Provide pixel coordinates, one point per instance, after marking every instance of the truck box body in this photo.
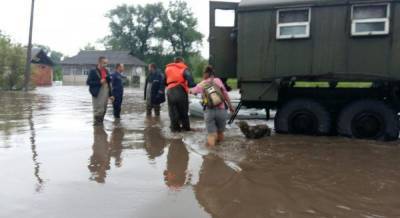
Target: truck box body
(330, 51)
(328, 67)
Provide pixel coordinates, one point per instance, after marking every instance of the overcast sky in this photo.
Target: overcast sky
(68, 25)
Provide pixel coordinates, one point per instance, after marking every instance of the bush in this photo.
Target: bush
(12, 64)
(197, 64)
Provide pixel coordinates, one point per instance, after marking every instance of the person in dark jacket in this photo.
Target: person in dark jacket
(99, 87)
(179, 80)
(154, 90)
(117, 88)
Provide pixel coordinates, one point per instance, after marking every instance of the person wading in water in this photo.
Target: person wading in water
(179, 80)
(215, 101)
(117, 85)
(154, 90)
(100, 89)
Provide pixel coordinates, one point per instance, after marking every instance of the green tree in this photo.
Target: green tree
(133, 28)
(88, 47)
(197, 64)
(154, 33)
(12, 64)
(179, 29)
(17, 59)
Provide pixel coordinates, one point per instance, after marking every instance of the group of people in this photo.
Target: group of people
(178, 82)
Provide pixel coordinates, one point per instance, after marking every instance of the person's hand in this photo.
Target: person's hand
(112, 98)
(103, 81)
(231, 109)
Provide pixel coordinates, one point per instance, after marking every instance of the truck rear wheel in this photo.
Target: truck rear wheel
(303, 116)
(369, 119)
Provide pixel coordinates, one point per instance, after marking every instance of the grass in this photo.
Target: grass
(342, 85)
(231, 82)
(303, 84)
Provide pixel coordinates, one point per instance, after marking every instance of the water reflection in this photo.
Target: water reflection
(35, 154)
(117, 136)
(154, 142)
(100, 159)
(14, 113)
(224, 192)
(176, 175)
(287, 176)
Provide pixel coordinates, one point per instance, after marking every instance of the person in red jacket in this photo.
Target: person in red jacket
(179, 80)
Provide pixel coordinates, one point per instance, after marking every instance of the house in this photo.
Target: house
(42, 68)
(76, 69)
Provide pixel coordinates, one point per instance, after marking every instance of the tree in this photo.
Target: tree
(133, 28)
(154, 33)
(197, 65)
(179, 29)
(88, 47)
(12, 64)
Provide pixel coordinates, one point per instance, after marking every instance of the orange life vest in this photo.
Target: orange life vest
(175, 76)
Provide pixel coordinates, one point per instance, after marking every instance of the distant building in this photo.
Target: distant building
(76, 69)
(42, 69)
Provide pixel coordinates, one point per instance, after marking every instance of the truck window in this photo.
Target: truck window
(293, 23)
(370, 20)
(224, 18)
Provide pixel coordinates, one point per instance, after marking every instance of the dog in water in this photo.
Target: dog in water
(254, 132)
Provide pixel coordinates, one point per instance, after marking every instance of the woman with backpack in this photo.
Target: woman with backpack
(215, 101)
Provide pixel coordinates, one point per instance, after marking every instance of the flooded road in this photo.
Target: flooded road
(54, 163)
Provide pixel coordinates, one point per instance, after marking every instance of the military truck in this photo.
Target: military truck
(327, 67)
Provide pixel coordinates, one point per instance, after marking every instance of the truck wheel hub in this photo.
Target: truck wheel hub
(367, 125)
(303, 122)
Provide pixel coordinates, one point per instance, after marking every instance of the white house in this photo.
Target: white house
(76, 69)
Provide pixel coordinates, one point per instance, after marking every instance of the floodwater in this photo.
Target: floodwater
(54, 163)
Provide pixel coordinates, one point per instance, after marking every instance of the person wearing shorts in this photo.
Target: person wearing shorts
(215, 118)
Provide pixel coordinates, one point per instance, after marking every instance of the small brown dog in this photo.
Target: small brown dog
(254, 132)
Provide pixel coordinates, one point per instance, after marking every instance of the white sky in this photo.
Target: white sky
(68, 25)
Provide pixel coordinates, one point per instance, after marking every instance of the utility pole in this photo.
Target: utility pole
(29, 52)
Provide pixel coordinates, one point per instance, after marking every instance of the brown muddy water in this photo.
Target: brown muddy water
(53, 163)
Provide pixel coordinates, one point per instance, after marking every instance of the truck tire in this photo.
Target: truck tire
(303, 116)
(369, 119)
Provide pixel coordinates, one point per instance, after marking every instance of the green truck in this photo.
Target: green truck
(328, 67)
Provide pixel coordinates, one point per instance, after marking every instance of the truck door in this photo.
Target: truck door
(223, 38)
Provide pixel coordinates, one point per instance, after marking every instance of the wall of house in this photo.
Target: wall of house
(42, 75)
(77, 74)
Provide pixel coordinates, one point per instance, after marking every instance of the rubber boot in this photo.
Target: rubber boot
(148, 110)
(157, 110)
(98, 121)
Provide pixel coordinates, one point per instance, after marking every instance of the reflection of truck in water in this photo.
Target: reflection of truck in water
(327, 66)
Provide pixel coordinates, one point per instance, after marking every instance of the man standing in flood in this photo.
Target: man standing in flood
(117, 86)
(179, 80)
(154, 90)
(99, 87)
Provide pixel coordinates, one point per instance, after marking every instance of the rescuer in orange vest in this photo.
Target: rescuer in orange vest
(179, 80)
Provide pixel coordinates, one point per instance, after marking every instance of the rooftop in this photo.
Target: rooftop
(39, 56)
(261, 4)
(114, 57)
